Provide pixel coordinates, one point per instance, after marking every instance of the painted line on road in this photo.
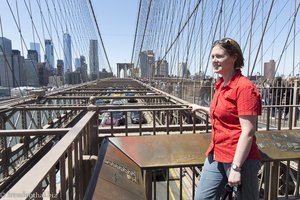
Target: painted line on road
(184, 196)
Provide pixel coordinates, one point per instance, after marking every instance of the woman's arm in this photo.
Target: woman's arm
(196, 107)
(248, 125)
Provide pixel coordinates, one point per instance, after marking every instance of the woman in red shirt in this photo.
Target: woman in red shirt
(233, 157)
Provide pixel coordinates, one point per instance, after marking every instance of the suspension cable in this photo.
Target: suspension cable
(99, 34)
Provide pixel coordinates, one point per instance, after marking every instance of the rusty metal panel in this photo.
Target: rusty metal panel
(164, 150)
(119, 177)
(279, 145)
(189, 149)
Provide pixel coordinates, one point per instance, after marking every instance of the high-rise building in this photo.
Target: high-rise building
(94, 59)
(33, 55)
(49, 56)
(43, 74)
(105, 74)
(30, 75)
(67, 53)
(77, 63)
(269, 70)
(182, 70)
(30, 69)
(5, 46)
(162, 68)
(18, 67)
(60, 67)
(73, 77)
(56, 81)
(146, 64)
(36, 46)
(6, 73)
(83, 69)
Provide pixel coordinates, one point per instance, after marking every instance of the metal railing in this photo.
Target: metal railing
(61, 173)
(70, 161)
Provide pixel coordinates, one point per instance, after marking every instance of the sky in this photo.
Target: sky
(117, 23)
(116, 20)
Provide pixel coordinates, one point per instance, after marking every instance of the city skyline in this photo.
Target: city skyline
(276, 42)
(17, 70)
(117, 33)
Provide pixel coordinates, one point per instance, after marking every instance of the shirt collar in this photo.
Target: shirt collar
(233, 82)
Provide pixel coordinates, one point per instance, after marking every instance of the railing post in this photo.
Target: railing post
(295, 97)
(148, 184)
(296, 193)
(37, 194)
(70, 174)
(3, 149)
(5, 160)
(93, 132)
(26, 139)
(52, 183)
(266, 176)
(273, 186)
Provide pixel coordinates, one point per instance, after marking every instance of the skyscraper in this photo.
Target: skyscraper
(5, 46)
(269, 70)
(147, 60)
(18, 68)
(60, 67)
(6, 74)
(30, 75)
(49, 56)
(83, 69)
(33, 55)
(67, 52)
(162, 68)
(77, 63)
(182, 70)
(36, 46)
(94, 59)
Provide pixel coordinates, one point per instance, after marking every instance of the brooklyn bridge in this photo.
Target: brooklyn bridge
(90, 129)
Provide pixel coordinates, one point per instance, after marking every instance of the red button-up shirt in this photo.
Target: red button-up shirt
(239, 97)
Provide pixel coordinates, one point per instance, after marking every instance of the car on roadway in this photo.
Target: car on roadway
(119, 116)
(107, 122)
(131, 98)
(137, 117)
(99, 102)
(117, 102)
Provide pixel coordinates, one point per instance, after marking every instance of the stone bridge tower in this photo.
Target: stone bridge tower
(125, 67)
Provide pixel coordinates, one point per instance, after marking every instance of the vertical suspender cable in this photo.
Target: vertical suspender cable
(294, 44)
(286, 41)
(145, 27)
(263, 34)
(214, 34)
(17, 7)
(250, 42)
(102, 43)
(136, 29)
(262, 45)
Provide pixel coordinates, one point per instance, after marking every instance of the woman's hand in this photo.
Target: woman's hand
(196, 107)
(234, 178)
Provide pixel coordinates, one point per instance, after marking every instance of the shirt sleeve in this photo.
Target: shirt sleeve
(249, 101)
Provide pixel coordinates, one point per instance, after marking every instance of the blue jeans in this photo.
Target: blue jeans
(214, 178)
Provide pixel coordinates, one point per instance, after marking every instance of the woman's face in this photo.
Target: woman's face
(222, 62)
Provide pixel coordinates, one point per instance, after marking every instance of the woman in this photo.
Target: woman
(232, 157)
